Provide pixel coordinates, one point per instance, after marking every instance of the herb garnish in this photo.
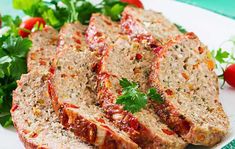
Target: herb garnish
(223, 58)
(13, 51)
(181, 28)
(133, 99)
(152, 93)
(58, 12)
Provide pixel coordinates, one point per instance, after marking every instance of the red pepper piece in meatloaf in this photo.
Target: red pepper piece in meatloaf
(71, 87)
(123, 58)
(183, 73)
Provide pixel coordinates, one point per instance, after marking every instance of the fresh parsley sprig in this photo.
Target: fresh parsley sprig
(13, 51)
(133, 99)
(224, 58)
(152, 94)
(181, 28)
(58, 12)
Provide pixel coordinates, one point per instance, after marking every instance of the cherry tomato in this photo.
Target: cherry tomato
(27, 26)
(137, 3)
(229, 75)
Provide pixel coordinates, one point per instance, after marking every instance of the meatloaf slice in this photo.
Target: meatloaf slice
(34, 118)
(73, 95)
(123, 58)
(43, 48)
(147, 25)
(100, 32)
(183, 73)
(32, 112)
(144, 127)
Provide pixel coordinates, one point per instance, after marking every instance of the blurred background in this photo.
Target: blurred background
(223, 7)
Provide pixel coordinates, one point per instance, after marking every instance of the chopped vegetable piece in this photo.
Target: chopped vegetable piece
(136, 3)
(30, 25)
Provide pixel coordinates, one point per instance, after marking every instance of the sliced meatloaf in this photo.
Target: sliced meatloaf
(183, 73)
(43, 48)
(34, 118)
(125, 59)
(144, 127)
(73, 95)
(100, 32)
(147, 25)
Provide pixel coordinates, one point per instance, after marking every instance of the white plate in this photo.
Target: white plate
(211, 28)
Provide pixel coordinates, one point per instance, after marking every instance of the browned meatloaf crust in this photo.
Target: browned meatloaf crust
(73, 95)
(183, 73)
(119, 60)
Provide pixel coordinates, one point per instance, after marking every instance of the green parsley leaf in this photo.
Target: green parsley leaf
(1, 73)
(152, 93)
(18, 46)
(5, 59)
(18, 4)
(126, 83)
(6, 120)
(13, 52)
(181, 29)
(70, 11)
(113, 8)
(85, 10)
(12, 23)
(132, 99)
(51, 19)
(220, 55)
(18, 67)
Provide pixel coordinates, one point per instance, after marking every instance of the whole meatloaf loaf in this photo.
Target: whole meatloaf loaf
(125, 59)
(43, 49)
(34, 118)
(73, 95)
(148, 26)
(183, 73)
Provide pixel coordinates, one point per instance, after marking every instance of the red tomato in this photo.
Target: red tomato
(137, 3)
(229, 75)
(29, 24)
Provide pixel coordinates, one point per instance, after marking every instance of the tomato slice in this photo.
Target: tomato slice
(27, 26)
(229, 75)
(136, 3)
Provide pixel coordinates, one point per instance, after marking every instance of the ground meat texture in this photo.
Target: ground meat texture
(72, 90)
(147, 26)
(43, 49)
(34, 118)
(124, 58)
(183, 73)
